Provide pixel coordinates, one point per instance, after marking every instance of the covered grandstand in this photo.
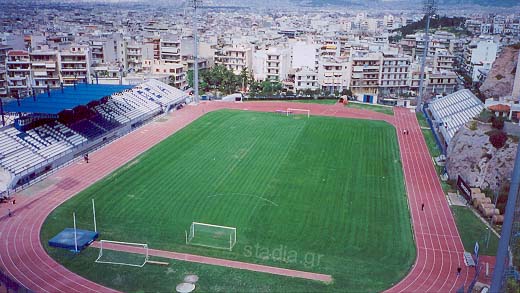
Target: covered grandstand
(57, 126)
(448, 114)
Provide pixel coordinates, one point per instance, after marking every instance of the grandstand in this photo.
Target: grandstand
(57, 126)
(450, 113)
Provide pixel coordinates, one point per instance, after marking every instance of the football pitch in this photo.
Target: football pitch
(323, 195)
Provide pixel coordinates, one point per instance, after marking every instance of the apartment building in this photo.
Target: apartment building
(305, 79)
(3, 82)
(278, 61)
(134, 57)
(170, 49)
(105, 50)
(45, 70)
(366, 67)
(18, 73)
(305, 55)
(333, 74)
(441, 83)
(235, 58)
(443, 60)
(75, 65)
(395, 73)
(176, 72)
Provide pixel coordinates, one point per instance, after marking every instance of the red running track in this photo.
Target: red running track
(439, 248)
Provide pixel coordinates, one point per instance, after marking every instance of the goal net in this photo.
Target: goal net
(292, 111)
(123, 253)
(213, 236)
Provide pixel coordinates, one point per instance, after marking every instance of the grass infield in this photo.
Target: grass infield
(324, 195)
(372, 107)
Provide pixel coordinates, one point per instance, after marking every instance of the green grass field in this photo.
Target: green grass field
(471, 229)
(314, 101)
(372, 107)
(323, 194)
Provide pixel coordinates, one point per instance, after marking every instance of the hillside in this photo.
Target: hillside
(499, 82)
(471, 155)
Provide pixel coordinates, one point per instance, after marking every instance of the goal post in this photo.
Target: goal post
(212, 236)
(123, 253)
(306, 112)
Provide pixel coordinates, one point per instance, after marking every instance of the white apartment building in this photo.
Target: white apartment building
(235, 58)
(3, 82)
(170, 49)
(395, 73)
(443, 60)
(271, 64)
(75, 65)
(305, 79)
(134, 57)
(482, 58)
(45, 70)
(18, 73)
(366, 69)
(305, 55)
(333, 74)
(175, 71)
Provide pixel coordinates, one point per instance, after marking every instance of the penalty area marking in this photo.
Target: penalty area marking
(245, 194)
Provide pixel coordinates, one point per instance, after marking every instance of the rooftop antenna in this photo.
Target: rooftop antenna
(429, 11)
(195, 4)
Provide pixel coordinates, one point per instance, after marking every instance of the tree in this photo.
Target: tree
(497, 122)
(244, 78)
(498, 139)
(347, 92)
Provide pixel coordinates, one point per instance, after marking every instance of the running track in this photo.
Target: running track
(439, 248)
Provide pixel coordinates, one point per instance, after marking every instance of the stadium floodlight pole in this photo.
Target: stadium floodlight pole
(429, 8)
(195, 4)
(75, 233)
(94, 214)
(507, 228)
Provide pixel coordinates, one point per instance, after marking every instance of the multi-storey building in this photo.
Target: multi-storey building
(18, 73)
(134, 57)
(175, 71)
(305, 79)
(365, 76)
(441, 83)
(333, 74)
(235, 58)
(170, 50)
(443, 60)
(278, 61)
(75, 65)
(3, 82)
(395, 73)
(45, 70)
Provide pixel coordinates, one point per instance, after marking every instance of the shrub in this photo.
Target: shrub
(498, 139)
(497, 122)
(499, 76)
(485, 116)
(473, 125)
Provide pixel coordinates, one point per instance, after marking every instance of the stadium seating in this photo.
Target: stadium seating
(108, 125)
(87, 129)
(23, 151)
(453, 111)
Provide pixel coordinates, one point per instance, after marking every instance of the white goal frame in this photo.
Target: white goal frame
(143, 245)
(191, 234)
(289, 110)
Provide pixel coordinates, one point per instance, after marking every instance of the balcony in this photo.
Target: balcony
(17, 77)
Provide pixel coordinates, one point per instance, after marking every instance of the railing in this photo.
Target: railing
(11, 284)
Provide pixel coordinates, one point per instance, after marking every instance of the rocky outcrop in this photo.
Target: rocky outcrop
(471, 155)
(499, 82)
